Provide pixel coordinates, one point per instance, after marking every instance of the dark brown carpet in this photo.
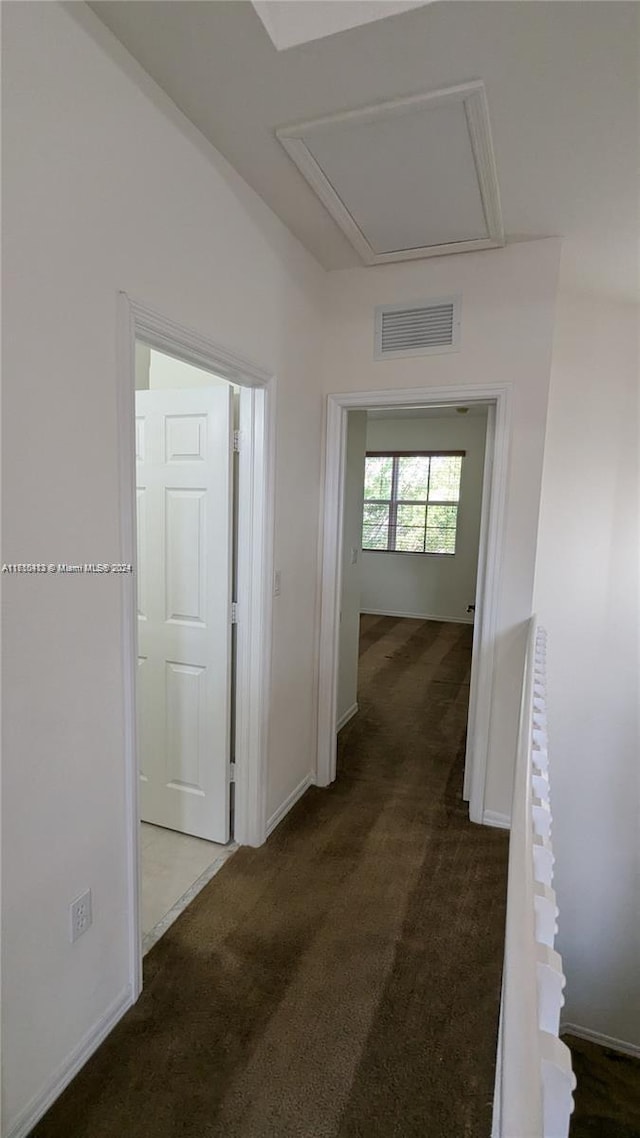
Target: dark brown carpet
(343, 981)
(607, 1096)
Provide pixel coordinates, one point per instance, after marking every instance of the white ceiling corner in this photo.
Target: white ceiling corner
(409, 178)
(293, 22)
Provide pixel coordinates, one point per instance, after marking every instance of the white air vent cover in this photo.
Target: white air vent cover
(417, 329)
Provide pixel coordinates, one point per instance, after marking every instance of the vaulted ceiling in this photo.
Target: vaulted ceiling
(561, 81)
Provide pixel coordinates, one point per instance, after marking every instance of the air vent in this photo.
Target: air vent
(417, 329)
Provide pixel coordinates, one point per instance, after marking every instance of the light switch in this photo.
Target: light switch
(276, 583)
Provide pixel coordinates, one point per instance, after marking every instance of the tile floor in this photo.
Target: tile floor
(174, 869)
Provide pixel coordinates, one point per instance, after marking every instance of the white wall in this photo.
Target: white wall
(107, 188)
(430, 586)
(508, 298)
(351, 570)
(587, 597)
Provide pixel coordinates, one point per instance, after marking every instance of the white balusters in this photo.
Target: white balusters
(541, 816)
(539, 760)
(558, 1083)
(551, 982)
(543, 860)
(534, 1080)
(540, 786)
(558, 1080)
(546, 912)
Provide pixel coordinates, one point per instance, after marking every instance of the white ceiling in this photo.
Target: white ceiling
(562, 87)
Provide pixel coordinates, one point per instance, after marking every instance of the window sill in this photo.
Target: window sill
(408, 553)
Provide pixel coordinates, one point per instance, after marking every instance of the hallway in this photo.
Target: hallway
(342, 981)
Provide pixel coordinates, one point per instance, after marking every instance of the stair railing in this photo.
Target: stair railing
(534, 1079)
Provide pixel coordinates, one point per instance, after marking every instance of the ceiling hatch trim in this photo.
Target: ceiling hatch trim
(298, 141)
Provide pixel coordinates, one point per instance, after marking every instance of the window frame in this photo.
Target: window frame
(393, 501)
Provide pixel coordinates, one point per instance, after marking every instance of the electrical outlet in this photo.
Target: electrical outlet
(81, 915)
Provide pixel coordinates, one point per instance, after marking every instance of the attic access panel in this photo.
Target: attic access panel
(411, 178)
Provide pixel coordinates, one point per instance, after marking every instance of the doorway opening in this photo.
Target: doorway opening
(411, 534)
(386, 526)
(187, 421)
(195, 424)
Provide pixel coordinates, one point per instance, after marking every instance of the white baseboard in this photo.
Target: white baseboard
(499, 821)
(344, 719)
(40, 1103)
(419, 616)
(289, 801)
(602, 1040)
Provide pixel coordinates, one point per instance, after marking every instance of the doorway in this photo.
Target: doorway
(186, 483)
(335, 558)
(411, 531)
(206, 737)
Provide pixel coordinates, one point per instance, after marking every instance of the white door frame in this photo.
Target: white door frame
(255, 573)
(489, 566)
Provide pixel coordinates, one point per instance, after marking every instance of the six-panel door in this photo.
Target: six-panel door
(184, 460)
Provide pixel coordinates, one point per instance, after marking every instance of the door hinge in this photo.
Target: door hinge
(236, 442)
(234, 612)
(232, 772)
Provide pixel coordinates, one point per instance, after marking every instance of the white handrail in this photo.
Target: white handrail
(534, 1080)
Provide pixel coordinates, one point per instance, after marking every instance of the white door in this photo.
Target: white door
(184, 457)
